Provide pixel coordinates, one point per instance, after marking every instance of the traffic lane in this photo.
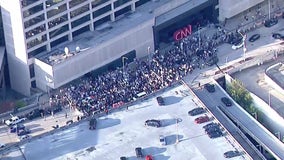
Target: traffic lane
(258, 131)
(253, 80)
(37, 126)
(211, 100)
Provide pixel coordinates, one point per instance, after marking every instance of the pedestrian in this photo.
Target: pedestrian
(78, 118)
(65, 115)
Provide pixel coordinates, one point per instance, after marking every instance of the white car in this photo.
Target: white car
(2, 145)
(24, 137)
(237, 46)
(14, 120)
(162, 140)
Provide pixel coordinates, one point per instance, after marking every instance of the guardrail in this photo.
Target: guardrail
(204, 106)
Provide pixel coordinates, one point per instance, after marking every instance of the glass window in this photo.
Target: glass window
(58, 31)
(56, 10)
(28, 2)
(50, 3)
(101, 11)
(57, 21)
(32, 70)
(141, 2)
(74, 3)
(59, 41)
(122, 11)
(33, 10)
(36, 41)
(102, 21)
(95, 3)
(80, 31)
(34, 21)
(36, 51)
(35, 31)
(79, 11)
(120, 2)
(80, 21)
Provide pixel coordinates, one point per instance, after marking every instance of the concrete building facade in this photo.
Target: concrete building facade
(52, 42)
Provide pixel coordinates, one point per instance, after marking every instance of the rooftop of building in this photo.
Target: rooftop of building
(101, 34)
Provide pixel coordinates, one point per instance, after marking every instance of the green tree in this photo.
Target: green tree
(239, 93)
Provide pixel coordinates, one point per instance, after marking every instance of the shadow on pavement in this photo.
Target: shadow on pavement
(153, 150)
(172, 139)
(172, 100)
(107, 122)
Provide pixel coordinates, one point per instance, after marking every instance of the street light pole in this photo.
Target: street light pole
(244, 36)
(123, 68)
(199, 37)
(149, 55)
(268, 9)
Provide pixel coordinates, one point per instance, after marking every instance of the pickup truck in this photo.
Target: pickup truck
(14, 120)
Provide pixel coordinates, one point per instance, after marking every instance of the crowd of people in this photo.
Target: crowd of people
(95, 94)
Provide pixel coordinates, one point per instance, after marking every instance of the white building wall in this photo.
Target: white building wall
(138, 38)
(230, 8)
(16, 48)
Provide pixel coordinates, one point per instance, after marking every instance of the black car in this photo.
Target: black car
(278, 36)
(153, 123)
(231, 154)
(212, 61)
(209, 125)
(17, 128)
(24, 132)
(213, 129)
(196, 111)
(35, 114)
(215, 134)
(123, 158)
(138, 152)
(226, 101)
(271, 22)
(254, 37)
(160, 100)
(210, 87)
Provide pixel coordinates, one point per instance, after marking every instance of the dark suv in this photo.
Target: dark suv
(138, 152)
(160, 100)
(153, 123)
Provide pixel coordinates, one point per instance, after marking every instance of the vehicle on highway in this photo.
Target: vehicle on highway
(160, 100)
(202, 119)
(24, 137)
(231, 154)
(271, 22)
(210, 87)
(14, 120)
(254, 37)
(212, 61)
(149, 157)
(24, 132)
(162, 139)
(238, 45)
(138, 152)
(196, 111)
(278, 36)
(17, 128)
(226, 101)
(153, 123)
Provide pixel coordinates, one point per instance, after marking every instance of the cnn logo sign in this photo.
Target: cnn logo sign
(182, 33)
